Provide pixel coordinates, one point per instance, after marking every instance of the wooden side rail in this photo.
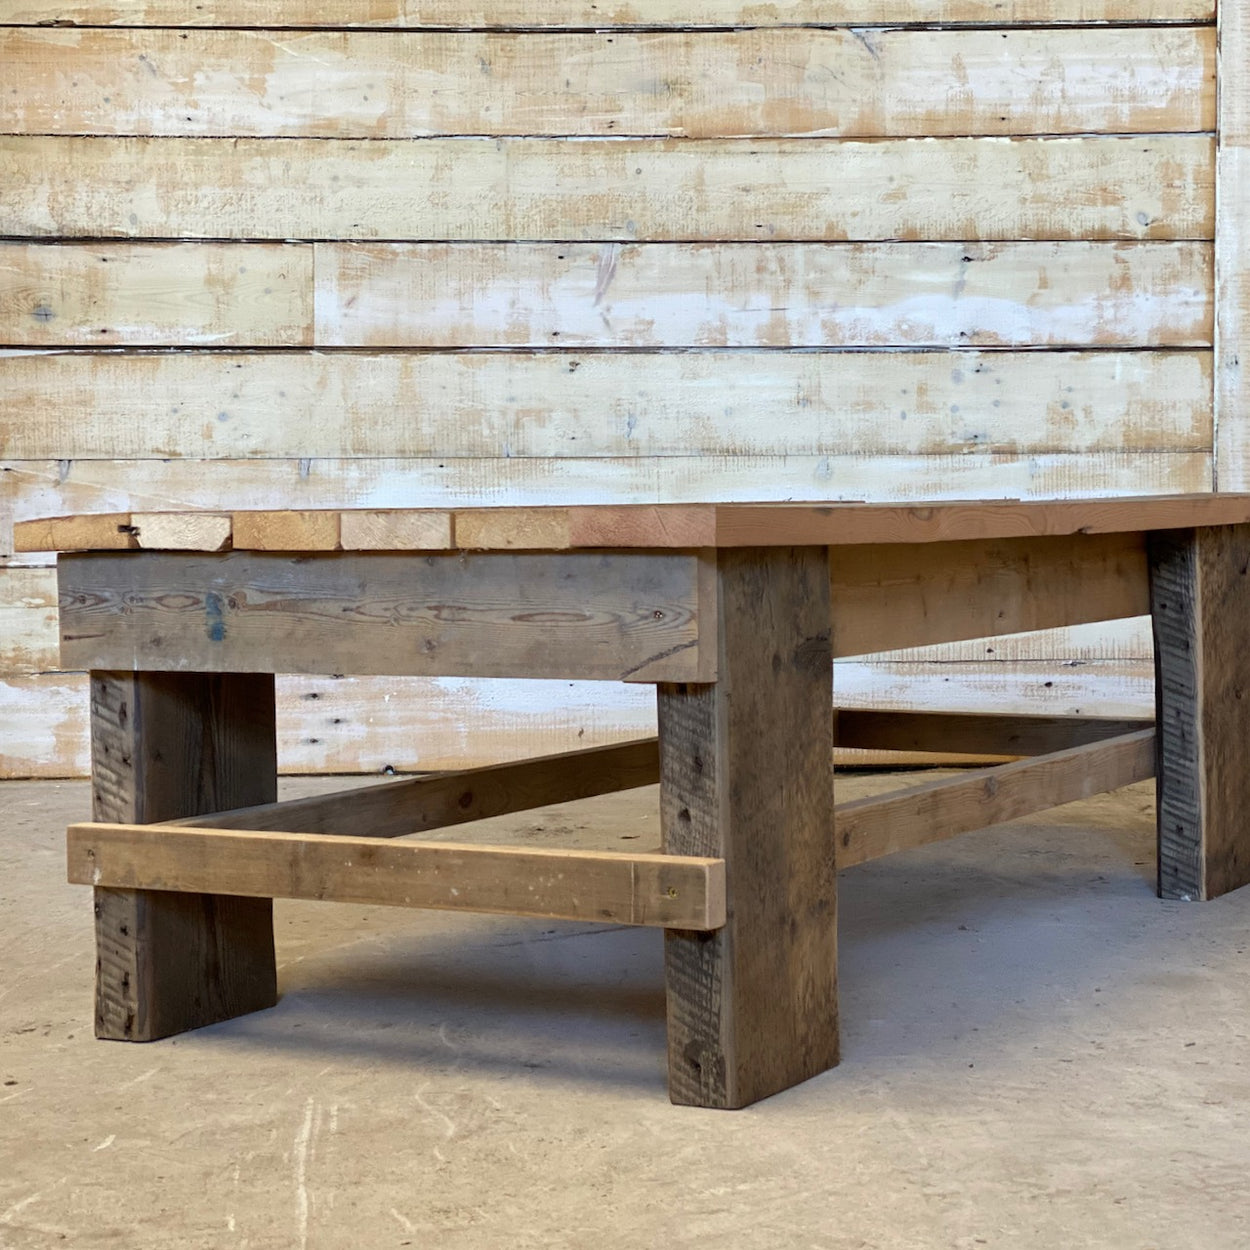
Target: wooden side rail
(936, 810)
(668, 891)
(974, 733)
(420, 804)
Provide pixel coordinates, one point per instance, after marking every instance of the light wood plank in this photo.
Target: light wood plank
(599, 886)
(511, 405)
(412, 530)
(756, 82)
(905, 595)
(603, 190)
(1201, 602)
(28, 620)
(181, 531)
(176, 294)
(957, 520)
(637, 616)
(935, 810)
(31, 489)
(591, 13)
(746, 774)
(107, 531)
(367, 724)
(1232, 261)
(163, 745)
(285, 531)
(1072, 294)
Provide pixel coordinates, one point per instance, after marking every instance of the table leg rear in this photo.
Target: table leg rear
(166, 745)
(1200, 603)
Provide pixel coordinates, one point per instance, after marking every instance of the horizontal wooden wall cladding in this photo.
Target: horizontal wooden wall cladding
(184, 294)
(592, 14)
(779, 81)
(1073, 294)
(764, 294)
(1157, 187)
(505, 405)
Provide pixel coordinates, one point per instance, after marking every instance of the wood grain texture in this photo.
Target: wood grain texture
(1232, 286)
(746, 776)
(976, 733)
(763, 294)
(621, 617)
(162, 746)
(30, 489)
(935, 810)
(513, 405)
(28, 620)
(876, 547)
(1148, 187)
(1068, 294)
(1201, 602)
(177, 294)
(421, 804)
(590, 13)
(710, 84)
(905, 595)
(599, 886)
(367, 724)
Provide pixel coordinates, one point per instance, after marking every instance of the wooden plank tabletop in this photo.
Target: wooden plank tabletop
(624, 526)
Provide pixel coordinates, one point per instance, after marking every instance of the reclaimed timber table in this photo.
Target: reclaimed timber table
(734, 612)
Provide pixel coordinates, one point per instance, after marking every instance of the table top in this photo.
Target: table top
(656, 526)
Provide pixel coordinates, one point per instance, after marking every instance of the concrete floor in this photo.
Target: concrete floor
(1037, 1053)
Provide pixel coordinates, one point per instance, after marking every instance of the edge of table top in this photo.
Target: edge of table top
(655, 526)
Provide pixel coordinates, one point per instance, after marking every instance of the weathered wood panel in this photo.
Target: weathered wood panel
(1201, 601)
(183, 294)
(900, 595)
(367, 724)
(165, 745)
(932, 811)
(589, 13)
(702, 85)
(611, 295)
(224, 405)
(599, 886)
(747, 775)
(28, 629)
(1232, 262)
(42, 488)
(766, 294)
(1158, 187)
(631, 616)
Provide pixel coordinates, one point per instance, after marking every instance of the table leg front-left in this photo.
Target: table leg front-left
(164, 746)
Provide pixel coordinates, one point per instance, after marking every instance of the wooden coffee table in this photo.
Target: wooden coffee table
(734, 612)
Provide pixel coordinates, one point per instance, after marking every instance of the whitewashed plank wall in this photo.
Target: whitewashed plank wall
(387, 253)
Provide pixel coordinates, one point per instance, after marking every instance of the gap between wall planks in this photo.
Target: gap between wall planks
(749, 83)
(592, 14)
(629, 190)
(1232, 248)
(226, 405)
(613, 295)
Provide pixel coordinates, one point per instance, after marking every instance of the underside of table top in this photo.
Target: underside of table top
(655, 526)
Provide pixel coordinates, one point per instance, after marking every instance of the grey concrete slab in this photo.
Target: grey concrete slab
(1037, 1052)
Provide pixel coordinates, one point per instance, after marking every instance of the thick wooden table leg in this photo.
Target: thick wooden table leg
(165, 745)
(1200, 603)
(746, 774)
